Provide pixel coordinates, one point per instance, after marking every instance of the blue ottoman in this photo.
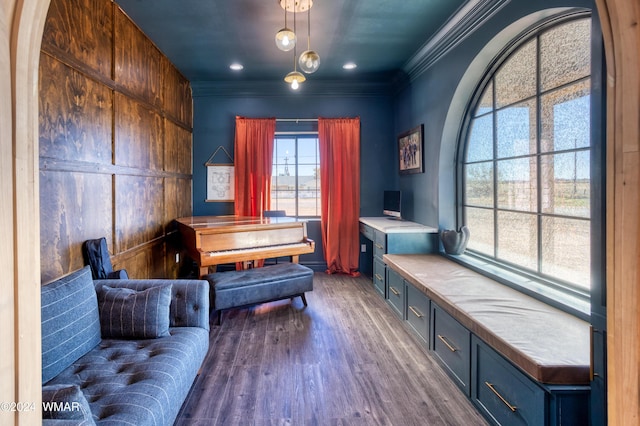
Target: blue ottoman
(233, 289)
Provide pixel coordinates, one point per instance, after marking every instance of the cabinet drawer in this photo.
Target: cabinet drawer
(451, 342)
(379, 243)
(379, 274)
(395, 291)
(367, 231)
(418, 311)
(502, 392)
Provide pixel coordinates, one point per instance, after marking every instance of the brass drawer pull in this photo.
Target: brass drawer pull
(447, 344)
(394, 291)
(415, 312)
(513, 408)
(379, 246)
(379, 277)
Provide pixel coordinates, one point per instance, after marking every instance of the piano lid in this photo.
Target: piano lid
(231, 220)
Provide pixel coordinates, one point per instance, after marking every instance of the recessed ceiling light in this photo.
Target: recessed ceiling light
(236, 66)
(349, 66)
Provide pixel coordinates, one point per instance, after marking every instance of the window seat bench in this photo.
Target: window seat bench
(521, 361)
(552, 346)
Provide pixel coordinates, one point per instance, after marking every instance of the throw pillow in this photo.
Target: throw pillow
(69, 321)
(127, 313)
(66, 402)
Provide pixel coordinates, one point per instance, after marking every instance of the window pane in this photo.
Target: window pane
(283, 179)
(565, 54)
(566, 118)
(480, 224)
(518, 239)
(479, 184)
(308, 151)
(486, 102)
(517, 184)
(566, 184)
(309, 203)
(284, 200)
(480, 139)
(308, 183)
(295, 181)
(285, 151)
(566, 250)
(516, 79)
(516, 129)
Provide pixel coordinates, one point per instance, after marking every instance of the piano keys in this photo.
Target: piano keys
(215, 240)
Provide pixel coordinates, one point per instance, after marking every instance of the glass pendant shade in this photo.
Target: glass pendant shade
(285, 39)
(294, 78)
(309, 61)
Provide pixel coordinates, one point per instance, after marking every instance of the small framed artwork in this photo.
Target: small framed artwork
(410, 151)
(220, 182)
(220, 179)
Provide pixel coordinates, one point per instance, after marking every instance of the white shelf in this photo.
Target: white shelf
(394, 226)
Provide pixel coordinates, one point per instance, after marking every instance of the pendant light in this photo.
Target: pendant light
(309, 59)
(294, 77)
(285, 38)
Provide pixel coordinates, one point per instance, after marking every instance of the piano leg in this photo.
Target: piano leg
(204, 270)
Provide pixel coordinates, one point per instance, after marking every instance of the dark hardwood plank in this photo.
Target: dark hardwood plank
(345, 359)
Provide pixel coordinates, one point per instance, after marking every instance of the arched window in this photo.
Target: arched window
(526, 178)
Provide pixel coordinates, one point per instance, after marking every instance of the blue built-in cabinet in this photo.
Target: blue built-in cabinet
(501, 390)
(389, 235)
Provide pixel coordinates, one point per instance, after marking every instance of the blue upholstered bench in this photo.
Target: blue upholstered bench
(234, 289)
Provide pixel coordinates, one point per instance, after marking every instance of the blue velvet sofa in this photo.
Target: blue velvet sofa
(121, 351)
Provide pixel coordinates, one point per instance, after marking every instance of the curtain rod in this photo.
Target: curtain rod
(295, 133)
(296, 119)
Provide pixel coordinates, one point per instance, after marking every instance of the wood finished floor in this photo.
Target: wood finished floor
(346, 359)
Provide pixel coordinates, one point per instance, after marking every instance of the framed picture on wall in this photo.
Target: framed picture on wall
(220, 182)
(410, 151)
(220, 179)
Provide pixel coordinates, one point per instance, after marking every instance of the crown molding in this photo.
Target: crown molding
(462, 24)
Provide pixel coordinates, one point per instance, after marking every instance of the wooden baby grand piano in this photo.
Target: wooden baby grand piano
(214, 240)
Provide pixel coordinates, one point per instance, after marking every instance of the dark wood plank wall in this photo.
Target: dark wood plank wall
(115, 142)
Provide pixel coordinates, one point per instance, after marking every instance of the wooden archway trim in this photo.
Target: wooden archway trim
(620, 21)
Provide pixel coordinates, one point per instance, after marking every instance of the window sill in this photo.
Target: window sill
(572, 304)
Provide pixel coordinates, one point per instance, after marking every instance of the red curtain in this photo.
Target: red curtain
(339, 143)
(253, 163)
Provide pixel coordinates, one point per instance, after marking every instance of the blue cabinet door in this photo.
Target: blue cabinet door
(418, 312)
(451, 342)
(396, 292)
(502, 393)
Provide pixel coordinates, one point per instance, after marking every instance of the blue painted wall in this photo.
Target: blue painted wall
(214, 126)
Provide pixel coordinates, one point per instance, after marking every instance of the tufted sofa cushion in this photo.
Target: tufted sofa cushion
(70, 321)
(141, 382)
